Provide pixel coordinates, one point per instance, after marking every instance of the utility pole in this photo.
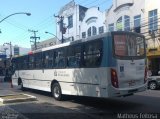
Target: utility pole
(62, 29)
(35, 38)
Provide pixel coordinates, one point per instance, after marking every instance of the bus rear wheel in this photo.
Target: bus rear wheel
(56, 91)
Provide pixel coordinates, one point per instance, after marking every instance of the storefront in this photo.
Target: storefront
(153, 60)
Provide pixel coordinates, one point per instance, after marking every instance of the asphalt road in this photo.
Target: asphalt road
(141, 105)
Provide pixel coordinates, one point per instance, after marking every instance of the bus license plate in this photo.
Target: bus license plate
(132, 83)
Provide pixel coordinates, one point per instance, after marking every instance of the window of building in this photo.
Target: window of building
(111, 27)
(89, 32)
(137, 23)
(73, 56)
(83, 34)
(119, 24)
(70, 21)
(153, 21)
(126, 23)
(94, 30)
(92, 54)
(101, 29)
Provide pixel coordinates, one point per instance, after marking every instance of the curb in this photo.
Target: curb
(27, 98)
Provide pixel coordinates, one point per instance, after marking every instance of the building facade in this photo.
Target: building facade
(16, 50)
(141, 16)
(92, 24)
(68, 22)
(45, 43)
(76, 22)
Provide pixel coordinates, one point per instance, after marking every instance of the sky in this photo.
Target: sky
(15, 28)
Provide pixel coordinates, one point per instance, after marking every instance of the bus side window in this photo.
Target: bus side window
(92, 54)
(15, 63)
(25, 62)
(45, 57)
(31, 61)
(59, 58)
(38, 60)
(21, 62)
(73, 56)
(48, 59)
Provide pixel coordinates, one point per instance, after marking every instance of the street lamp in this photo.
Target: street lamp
(52, 34)
(28, 14)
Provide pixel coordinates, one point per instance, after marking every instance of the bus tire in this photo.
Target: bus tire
(56, 91)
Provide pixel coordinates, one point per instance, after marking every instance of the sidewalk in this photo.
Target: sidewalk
(6, 89)
(12, 95)
(5, 111)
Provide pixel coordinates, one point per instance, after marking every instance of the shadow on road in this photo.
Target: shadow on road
(36, 92)
(133, 104)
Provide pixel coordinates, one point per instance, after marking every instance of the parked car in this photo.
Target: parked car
(153, 82)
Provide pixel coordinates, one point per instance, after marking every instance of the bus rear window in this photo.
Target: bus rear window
(128, 45)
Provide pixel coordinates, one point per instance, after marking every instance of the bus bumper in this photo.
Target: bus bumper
(118, 92)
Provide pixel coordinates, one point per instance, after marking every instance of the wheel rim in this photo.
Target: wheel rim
(152, 86)
(56, 92)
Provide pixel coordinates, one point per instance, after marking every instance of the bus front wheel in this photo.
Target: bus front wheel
(56, 91)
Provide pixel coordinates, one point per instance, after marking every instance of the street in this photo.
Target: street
(141, 105)
(98, 48)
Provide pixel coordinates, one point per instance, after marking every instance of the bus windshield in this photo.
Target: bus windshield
(128, 45)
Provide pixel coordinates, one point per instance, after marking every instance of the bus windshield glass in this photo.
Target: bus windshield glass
(128, 45)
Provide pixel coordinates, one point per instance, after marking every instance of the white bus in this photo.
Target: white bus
(106, 65)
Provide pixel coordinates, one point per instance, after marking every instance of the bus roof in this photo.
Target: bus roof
(78, 41)
(73, 42)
